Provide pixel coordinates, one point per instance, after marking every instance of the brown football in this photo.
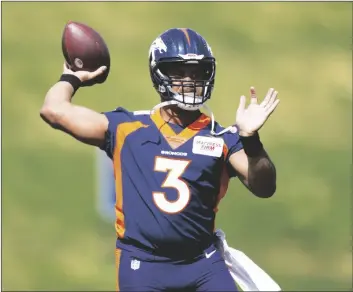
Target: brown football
(85, 50)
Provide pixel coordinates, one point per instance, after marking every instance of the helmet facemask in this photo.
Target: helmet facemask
(189, 83)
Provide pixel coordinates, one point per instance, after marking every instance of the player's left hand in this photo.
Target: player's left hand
(249, 120)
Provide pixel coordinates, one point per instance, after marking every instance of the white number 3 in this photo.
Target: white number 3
(176, 168)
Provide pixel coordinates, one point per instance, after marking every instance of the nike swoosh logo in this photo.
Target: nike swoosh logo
(208, 255)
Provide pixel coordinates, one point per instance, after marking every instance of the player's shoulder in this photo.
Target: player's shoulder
(126, 115)
(118, 111)
(142, 115)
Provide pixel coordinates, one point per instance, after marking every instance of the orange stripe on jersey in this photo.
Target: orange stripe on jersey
(176, 140)
(200, 123)
(195, 127)
(222, 190)
(224, 180)
(185, 31)
(223, 186)
(117, 267)
(224, 183)
(225, 151)
(122, 132)
(162, 125)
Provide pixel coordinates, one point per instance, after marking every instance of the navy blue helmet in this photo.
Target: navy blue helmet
(171, 51)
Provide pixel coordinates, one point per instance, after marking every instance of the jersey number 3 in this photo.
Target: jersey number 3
(175, 169)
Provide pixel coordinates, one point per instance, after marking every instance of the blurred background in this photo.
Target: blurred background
(53, 236)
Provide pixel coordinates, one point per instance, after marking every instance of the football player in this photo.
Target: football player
(172, 165)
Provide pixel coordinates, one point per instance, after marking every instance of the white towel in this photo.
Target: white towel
(247, 275)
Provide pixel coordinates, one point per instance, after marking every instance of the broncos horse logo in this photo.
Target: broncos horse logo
(159, 45)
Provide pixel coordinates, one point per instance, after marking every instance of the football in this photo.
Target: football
(85, 50)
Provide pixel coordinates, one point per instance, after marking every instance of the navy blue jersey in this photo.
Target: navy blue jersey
(169, 180)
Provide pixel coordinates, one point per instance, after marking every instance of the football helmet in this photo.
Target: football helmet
(173, 48)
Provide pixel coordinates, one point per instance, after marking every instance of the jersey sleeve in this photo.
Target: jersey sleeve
(115, 118)
(233, 144)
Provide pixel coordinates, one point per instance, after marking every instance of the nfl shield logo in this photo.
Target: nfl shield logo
(135, 264)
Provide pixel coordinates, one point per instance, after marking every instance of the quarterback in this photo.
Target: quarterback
(172, 165)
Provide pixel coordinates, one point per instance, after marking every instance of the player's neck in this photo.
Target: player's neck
(175, 115)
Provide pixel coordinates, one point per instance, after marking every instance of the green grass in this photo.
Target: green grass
(52, 237)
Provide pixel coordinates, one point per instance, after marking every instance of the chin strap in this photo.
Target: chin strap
(213, 133)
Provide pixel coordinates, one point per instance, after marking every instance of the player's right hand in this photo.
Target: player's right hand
(84, 76)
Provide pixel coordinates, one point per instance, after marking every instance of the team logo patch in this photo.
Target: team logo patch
(209, 146)
(135, 264)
